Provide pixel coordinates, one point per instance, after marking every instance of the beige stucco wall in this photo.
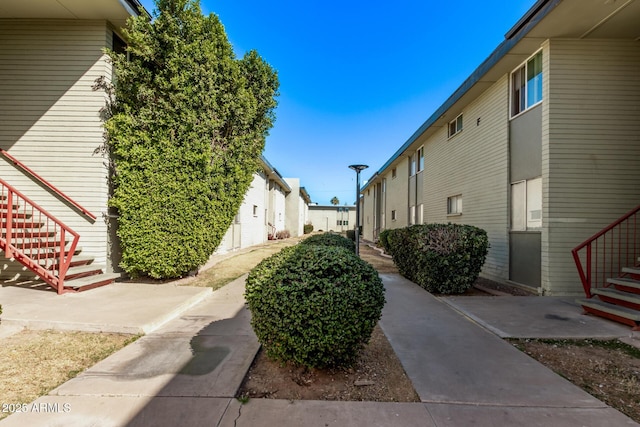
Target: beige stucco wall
(50, 120)
(326, 218)
(591, 148)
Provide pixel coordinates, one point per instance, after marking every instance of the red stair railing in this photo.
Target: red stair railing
(34, 237)
(604, 254)
(46, 183)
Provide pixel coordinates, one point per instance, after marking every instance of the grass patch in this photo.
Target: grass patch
(35, 362)
(231, 268)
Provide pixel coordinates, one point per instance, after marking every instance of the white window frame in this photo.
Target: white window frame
(523, 102)
(454, 205)
(421, 213)
(526, 205)
(455, 126)
(420, 159)
(412, 164)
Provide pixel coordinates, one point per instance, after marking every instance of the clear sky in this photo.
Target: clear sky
(358, 78)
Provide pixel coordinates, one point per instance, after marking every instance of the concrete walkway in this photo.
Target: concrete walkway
(187, 371)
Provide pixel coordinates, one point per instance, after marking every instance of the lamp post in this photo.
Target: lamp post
(358, 169)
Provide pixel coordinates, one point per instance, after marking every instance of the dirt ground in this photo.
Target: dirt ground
(609, 370)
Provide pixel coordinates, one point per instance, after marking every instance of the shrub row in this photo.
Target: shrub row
(314, 305)
(442, 258)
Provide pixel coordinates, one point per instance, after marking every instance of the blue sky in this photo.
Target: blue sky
(358, 78)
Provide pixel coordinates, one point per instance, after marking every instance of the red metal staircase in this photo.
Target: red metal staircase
(45, 245)
(609, 267)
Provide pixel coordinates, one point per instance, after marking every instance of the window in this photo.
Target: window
(455, 126)
(420, 155)
(526, 205)
(394, 173)
(345, 222)
(412, 215)
(526, 85)
(412, 165)
(255, 210)
(384, 185)
(339, 222)
(454, 205)
(420, 213)
(393, 215)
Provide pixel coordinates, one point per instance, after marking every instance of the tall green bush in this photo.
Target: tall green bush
(187, 124)
(314, 305)
(442, 258)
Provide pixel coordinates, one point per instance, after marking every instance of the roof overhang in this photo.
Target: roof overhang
(547, 19)
(273, 174)
(115, 11)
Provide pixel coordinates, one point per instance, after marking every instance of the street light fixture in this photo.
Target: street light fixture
(358, 169)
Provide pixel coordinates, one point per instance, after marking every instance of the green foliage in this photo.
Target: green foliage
(187, 124)
(442, 258)
(383, 240)
(330, 239)
(351, 235)
(335, 201)
(308, 228)
(314, 305)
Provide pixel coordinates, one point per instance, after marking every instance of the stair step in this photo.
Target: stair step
(28, 233)
(626, 284)
(90, 282)
(631, 270)
(51, 263)
(618, 313)
(41, 253)
(3, 214)
(27, 243)
(614, 296)
(24, 224)
(5, 206)
(83, 270)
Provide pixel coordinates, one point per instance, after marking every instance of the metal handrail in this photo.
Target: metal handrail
(598, 257)
(42, 257)
(46, 183)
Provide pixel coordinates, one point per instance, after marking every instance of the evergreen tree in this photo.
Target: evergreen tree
(187, 125)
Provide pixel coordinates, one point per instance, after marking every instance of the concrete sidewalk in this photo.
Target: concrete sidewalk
(123, 307)
(187, 372)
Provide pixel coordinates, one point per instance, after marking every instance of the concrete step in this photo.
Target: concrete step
(83, 271)
(631, 270)
(626, 284)
(90, 282)
(614, 312)
(20, 215)
(28, 233)
(28, 243)
(76, 261)
(614, 296)
(22, 223)
(42, 253)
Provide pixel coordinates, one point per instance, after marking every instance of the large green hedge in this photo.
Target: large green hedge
(442, 258)
(314, 305)
(187, 125)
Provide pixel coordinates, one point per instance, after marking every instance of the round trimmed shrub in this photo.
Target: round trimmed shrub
(315, 306)
(330, 239)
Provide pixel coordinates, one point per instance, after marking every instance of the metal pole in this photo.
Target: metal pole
(358, 168)
(358, 212)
